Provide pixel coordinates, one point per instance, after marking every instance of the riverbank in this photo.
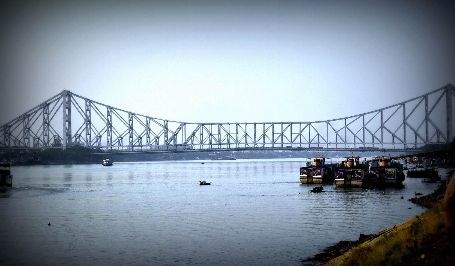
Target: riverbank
(83, 155)
(427, 239)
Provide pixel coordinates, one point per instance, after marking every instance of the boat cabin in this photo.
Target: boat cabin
(351, 162)
(384, 161)
(318, 162)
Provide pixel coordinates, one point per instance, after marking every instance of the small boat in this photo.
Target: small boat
(107, 162)
(203, 183)
(6, 179)
(317, 189)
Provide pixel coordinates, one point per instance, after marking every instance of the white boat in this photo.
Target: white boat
(107, 162)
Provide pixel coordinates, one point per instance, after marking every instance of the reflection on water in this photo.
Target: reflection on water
(255, 212)
(67, 180)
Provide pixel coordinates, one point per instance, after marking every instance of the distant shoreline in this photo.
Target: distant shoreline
(81, 155)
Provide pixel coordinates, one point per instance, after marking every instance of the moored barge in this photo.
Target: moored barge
(316, 172)
(384, 171)
(350, 173)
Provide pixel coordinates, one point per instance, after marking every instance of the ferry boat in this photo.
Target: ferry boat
(316, 172)
(107, 162)
(350, 174)
(6, 179)
(384, 171)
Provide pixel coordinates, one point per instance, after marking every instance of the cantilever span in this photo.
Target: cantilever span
(69, 119)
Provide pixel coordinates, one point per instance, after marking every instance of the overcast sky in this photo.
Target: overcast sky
(214, 61)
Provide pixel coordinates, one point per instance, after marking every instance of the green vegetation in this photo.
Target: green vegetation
(427, 239)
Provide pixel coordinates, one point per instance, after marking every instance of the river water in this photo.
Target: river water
(156, 213)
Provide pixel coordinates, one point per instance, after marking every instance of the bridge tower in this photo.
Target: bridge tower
(66, 96)
(449, 91)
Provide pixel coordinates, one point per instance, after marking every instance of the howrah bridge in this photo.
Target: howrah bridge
(68, 119)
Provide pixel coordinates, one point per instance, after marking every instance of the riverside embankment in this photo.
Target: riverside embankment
(427, 239)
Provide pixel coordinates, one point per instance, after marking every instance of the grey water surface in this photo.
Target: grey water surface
(156, 213)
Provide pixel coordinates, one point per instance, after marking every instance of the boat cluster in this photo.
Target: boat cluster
(351, 172)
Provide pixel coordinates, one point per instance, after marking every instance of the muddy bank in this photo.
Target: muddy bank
(427, 239)
(342, 247)
(336, 250)
(428, 201)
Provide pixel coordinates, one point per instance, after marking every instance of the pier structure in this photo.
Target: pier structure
(68, 119)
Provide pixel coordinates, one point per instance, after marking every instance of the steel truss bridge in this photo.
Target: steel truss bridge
(68, 119)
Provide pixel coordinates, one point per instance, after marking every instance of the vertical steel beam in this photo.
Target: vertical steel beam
(345, 139)
(26, 131)
(184, 135)
(88, 123)
(236, 135)
(109, 128)
(327, 133)
(147, 132)
(254, 135)
(282, 135)
(166, 133)
(219, 136)
(210, 136)
(201, 137)
(98, 141)
(309, 135)
(273, 135)
(449, 113)
(363, 130)
(426, 119)
(336, 140)
(130, 132)
(382, 129)
(66, 119)
(35, 142)
(404, 125)
(229, 136)
(246, 140)
(291, 136)
(46, 124)
(263, 134)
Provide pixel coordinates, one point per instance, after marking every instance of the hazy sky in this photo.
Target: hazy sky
(217, 61)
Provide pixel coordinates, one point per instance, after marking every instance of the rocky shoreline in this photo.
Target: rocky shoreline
(336, 250)
(331, 252)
